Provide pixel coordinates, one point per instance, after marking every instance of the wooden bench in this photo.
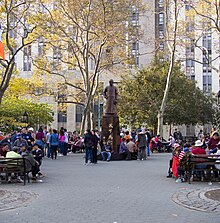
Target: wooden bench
(16, 165)
(209, 160)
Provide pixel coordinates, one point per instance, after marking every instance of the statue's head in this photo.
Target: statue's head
(111, 82)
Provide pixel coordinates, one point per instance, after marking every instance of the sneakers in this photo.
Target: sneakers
(34, 179)
(180, 180)
(60, 155)
(19, 180)
(9, 180)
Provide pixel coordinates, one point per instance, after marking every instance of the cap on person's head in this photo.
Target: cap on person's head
(186, 150)
(31, 129)
(35, 144)
(19, 135)
(176, 145)
(198, 143)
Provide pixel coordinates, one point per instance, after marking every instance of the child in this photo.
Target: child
(37, 153)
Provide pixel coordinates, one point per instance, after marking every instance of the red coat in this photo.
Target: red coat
(198, 151)
(175, 166)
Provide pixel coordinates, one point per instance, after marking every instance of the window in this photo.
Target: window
(192, 77)
(161, 46)
(79, 111)
(207, 83)
(161, 34)
(56, 58)
(161, 18)
(40, 47)
(190, 63)
(134, 16)
(62, 116)
(135, 46)
(160, 3)
(27, 58)
(187, 7)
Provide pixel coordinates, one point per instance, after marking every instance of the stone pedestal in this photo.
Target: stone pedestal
(110, 129)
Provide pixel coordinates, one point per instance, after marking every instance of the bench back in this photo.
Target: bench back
(203, 159)
(14, 165)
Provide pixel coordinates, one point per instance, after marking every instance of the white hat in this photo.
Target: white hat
(176, 145)
(198, 143)
(31, 129)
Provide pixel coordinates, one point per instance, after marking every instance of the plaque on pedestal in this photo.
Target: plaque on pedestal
(110, 130)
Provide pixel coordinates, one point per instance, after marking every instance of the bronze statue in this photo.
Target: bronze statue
(111, 96)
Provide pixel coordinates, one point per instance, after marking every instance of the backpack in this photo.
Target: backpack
(89, 143)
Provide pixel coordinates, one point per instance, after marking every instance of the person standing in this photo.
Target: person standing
(40, 139)
(48, 142)
(89, 143)
(54, 143)
(142, 143)
(61, 142)
(148, 134)
(66, 140)
(94, 149)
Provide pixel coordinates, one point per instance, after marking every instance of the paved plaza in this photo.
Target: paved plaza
(119, 191)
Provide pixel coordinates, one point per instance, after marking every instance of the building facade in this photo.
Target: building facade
(199, 57)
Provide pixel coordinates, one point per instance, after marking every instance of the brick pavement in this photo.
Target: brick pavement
(119, 191)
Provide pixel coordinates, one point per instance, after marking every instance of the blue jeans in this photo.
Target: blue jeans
(61, 145)
(48, 150)
(108, 154)
(148, 149)
(88, 154)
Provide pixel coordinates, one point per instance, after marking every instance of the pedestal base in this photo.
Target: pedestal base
(110, 129)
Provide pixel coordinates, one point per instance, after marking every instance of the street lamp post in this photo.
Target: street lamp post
(25, 116)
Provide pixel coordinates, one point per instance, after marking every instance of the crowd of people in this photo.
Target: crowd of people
(33, 146)
(134, 145)
(205, 145)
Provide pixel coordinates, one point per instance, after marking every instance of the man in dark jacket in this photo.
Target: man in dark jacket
(142, 143)
(95, 146)
(89, 143)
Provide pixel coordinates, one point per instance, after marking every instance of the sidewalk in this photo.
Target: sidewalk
(118, 191)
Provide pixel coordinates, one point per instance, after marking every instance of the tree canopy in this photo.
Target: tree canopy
(141, 95)
(82, 39)
(12, 110)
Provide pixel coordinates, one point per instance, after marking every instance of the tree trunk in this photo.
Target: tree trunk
(172, 48)
(160, 123)
(82, 128)
(86, 119)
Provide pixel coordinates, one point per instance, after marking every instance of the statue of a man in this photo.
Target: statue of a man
(111, 96)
